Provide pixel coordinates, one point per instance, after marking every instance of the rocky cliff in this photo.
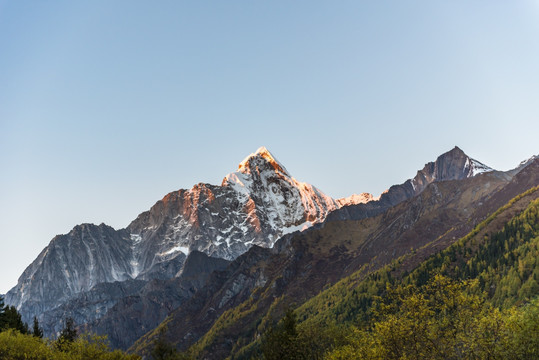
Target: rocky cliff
(255, 205)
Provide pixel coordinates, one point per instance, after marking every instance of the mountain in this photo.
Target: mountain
(355, 199)
(72, 263)
(452, 165)
(255, 205)
(134, 315)
(236, 305)
(494, 266)
(172, 262)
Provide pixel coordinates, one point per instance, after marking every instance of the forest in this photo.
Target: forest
(474, 300)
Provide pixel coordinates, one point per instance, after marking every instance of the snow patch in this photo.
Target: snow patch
(527, 162)
(176, 249)
(300, 227)
(479, 168)
(239, 182)
(357, 199)
(266, 155)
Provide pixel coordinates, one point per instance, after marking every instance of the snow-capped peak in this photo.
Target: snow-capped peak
(262, 154)
(266, 187)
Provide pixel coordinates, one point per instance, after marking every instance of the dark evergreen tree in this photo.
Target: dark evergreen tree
(67, 336)
(164, 350)
(2, 320)
(36, 330)
(11, 319)
(68, 333)
(281, 342)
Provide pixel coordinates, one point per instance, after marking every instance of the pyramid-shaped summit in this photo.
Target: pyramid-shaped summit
(254, 206)
(262, 156)
(452, 165)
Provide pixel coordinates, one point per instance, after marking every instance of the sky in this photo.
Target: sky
(106, 106)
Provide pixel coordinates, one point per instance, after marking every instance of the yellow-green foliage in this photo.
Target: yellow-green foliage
(495, 279)
(506, 263)
(15, 346)
(425, 315)
(441, 320)
(350, 299)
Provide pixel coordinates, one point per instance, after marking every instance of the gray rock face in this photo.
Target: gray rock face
(71, 264)
(253, 206)
(134, 315)
(89, 305)
(452, 165)
(299, 267)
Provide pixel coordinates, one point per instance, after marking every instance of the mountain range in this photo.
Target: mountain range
(214, 265)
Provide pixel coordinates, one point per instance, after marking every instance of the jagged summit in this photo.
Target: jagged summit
(262, 156)
(452, 165)
(523, 164)
(286, 203)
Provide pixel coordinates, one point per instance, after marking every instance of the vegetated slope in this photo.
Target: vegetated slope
(300, 265)
(349, 300)
(497, 262)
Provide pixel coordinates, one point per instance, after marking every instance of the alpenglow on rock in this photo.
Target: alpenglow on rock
(254, 205)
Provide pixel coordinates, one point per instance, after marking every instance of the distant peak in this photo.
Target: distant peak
(355, 199)
(262, 150)
(262, 154)
(456, 150)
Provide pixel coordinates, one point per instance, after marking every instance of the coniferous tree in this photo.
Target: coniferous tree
(37, 331)
(67, 336)
(281, 342)
(164, 350)
(2, 320)
(68, 333)
(12, 320)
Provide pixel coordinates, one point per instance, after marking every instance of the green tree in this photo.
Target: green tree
(12, 320)
(1, 313)
(281, 342)
(164, 350)
(36, 330)
(67, 336)
(15, 346)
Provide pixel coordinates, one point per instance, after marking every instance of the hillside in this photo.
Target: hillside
(262, 283)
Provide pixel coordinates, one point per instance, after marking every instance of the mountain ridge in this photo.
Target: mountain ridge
(255, 206)
(302, 264)
(222, 221)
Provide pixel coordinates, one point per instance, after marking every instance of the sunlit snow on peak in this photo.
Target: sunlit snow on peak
(262, 154)
(355, 199)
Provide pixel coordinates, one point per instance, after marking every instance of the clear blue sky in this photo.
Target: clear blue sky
(106, 106)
